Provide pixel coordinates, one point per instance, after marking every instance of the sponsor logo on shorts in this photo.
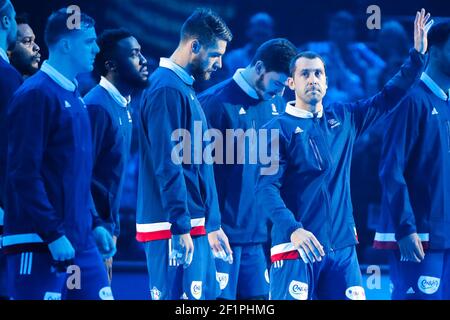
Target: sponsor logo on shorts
(298, 290)
(52, 296)
(196, 289)
(428, 285)
(222, 278)
(266, 276)
(105, 293)
(355, 293)
(155, 293)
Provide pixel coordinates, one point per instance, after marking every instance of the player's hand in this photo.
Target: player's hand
(182, 249)
(308, 246)
(421, 27)
(108, 266)
(61, 249)
(109, 263)
(411, 248)
(105, 242)
(220, 245)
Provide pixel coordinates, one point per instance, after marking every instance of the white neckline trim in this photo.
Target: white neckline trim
(244, 85)
(179, 71)
(433, 86)
(60, 79)
(300, 113)
(3, 55)
(114, 92)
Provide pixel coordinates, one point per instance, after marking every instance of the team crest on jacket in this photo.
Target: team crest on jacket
(196, 289)
(334, 123)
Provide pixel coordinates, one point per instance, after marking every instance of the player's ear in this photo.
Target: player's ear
(195, 46)
(110, 66)
(260, 68)
(291, 83)
(65, 45)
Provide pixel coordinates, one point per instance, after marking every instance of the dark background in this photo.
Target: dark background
(156, 23)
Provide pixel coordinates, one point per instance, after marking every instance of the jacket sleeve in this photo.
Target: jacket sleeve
(102, 142)
(399, 142)
(29, 126)
(213, 110)
(366, 112)
(268, 196)
(10, 81)
(163, 113)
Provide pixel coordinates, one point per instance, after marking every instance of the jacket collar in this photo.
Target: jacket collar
(3, 55)
(244, 85)
(179, 71)
(114, 92)
(300, 113)
(60, 79)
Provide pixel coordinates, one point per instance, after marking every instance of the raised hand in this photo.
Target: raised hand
(421, 27)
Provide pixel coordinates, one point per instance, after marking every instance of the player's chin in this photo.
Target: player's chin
(207, 75)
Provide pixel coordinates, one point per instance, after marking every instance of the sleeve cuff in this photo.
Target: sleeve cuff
(404, 231)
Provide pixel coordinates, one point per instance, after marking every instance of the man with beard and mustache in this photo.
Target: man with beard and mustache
(415, 176)
(123, 69)
(10, 80)
(308, 199)
(247, 101)
(177, 199)
(25, 56)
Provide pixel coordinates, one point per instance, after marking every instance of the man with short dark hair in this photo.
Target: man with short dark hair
(177, 199)
(247, 101)
(50, 227)
(415, 175)
(10, 80)
(308, 199)
(122, 68)
(25, 56)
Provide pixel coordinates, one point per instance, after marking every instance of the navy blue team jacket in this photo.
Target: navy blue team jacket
(228, 106)
(415, 172)
(111, 126)
(311, 189)
(10, 81)
(173, 197)
(49, 168)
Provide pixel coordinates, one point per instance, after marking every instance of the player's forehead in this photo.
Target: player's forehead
(308, 64)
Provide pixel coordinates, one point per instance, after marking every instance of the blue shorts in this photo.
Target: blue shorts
(170, 281)
(428, 280)
(247, 277)
(31, 277)
(336, 277)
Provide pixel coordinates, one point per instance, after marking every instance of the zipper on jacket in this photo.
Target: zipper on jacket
(325, 193)
(316, 152)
